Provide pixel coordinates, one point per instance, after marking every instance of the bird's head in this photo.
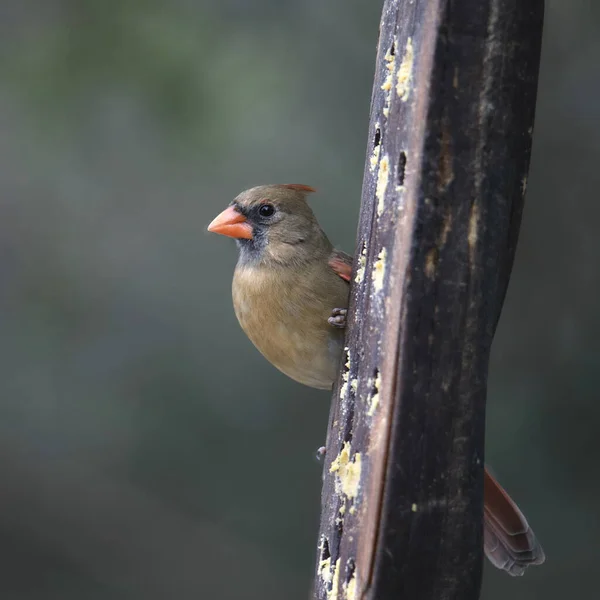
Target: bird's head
(273, 224)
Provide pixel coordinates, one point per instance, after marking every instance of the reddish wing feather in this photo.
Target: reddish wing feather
(341, 263)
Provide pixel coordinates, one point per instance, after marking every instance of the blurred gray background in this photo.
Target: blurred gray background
(147, 451)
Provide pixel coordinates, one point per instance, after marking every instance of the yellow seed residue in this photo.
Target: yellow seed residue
(362, 261)
(379, 270)
(345, 375)
(382, 182)
(390, 65)
(344, 388)
(351, 589)
(325, 570)
(405, 72)
(375, 156)
(347, 470)
(374, 399)
(332, 594)
(341, 512)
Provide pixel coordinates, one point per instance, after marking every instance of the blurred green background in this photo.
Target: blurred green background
(147, 451)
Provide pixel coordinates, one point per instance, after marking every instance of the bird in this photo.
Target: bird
(290, 295)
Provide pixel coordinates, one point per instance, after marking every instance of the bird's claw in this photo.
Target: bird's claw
(338, 317)
(320, 453)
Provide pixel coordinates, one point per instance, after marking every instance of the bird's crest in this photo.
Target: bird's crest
(299, 187)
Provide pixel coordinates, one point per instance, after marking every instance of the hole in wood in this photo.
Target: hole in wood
(325, 552)
(348, 431)
(350, 568)
(401, 167)
(339, 527)
(347, 396)
(375, 386)
(377, 139)
(393, 49)
(346, 359)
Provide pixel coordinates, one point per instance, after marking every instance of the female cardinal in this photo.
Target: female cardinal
(290, 293)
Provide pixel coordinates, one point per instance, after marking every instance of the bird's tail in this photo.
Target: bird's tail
(508, 541)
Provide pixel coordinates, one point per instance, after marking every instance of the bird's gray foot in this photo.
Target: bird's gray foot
(338, 317)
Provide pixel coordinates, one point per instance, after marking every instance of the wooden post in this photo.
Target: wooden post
(446, 171)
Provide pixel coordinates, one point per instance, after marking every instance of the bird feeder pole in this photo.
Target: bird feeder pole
(450, 135)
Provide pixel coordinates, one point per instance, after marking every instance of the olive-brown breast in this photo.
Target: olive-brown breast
(284, 312)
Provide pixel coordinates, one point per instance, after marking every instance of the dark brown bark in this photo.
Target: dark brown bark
(450, 138)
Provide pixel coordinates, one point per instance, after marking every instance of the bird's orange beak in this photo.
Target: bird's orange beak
(232, 224)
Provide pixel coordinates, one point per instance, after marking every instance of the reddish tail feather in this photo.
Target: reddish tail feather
(508, 541)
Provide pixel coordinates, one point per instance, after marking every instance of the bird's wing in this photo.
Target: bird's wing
(341, 263)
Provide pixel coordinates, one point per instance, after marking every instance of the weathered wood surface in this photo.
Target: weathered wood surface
(445, 176)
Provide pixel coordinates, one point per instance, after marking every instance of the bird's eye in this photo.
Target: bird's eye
(266, 210)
